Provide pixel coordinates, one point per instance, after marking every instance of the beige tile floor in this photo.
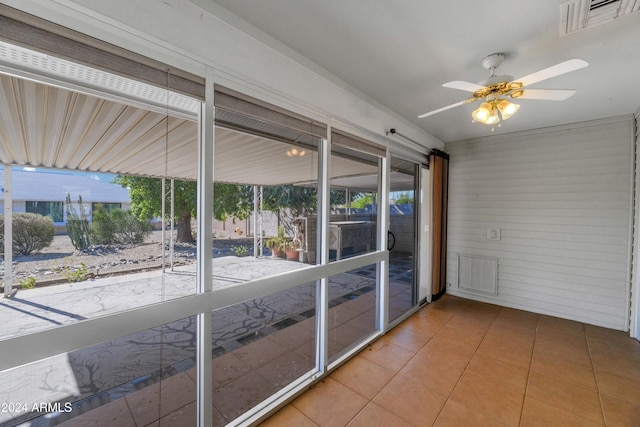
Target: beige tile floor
(456, 362)
(462, 363)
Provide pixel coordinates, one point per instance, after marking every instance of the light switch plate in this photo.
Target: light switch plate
(493, 234)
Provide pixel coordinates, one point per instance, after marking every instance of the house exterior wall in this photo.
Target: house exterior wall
(61, 227)
(561, 200)
(18, 206)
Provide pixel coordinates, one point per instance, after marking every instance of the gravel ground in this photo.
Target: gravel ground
(48, 266)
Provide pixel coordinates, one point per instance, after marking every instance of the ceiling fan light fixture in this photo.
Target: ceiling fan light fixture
(482, 113)
(294, 152)
(493, 118)
(494, 110)
(507, 109)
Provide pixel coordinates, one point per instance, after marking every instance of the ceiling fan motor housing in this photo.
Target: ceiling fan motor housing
(493, 61)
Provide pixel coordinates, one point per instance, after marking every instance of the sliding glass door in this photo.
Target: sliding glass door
(402, 237)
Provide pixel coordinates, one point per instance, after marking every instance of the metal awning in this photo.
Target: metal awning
(52, 127)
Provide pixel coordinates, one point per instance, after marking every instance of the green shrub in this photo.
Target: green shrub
(77, 274)
(103, 228)
(31, 232)
(130, 229)
(118, 226)
(240, 251)
(28, 282)
(71, 273)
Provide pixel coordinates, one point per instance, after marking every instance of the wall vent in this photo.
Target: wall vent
(478, 274)
(577, 15)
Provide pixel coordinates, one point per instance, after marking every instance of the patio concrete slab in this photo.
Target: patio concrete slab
(37, 309)
(110, 370)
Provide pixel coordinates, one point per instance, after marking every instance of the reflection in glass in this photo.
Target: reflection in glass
(108, 236)
(402, 238)
(259, 347)
(141, 378)
(265, 194)
(354, 203)
(352, 308)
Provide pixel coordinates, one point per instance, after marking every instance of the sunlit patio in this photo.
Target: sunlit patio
(135, 365)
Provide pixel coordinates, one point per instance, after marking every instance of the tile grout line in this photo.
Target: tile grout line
(425, 344)
(595, 376)
(126, 402)
(397, 372)
(388, 381)
(526, 387)
(466, 366)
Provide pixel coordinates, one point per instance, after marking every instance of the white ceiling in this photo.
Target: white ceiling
(400, 54)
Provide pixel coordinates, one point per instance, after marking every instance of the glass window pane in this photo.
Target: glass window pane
(352, 308)
(265, 198)
(402, 238)
(134, 380)
(106, 206)
(94, 265)
(51, 209)
(107, 251)
(260, 346)
(354, 203)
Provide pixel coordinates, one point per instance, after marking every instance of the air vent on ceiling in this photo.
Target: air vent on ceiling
(580, 14)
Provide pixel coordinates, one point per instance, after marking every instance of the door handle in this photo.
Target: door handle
(391, 240)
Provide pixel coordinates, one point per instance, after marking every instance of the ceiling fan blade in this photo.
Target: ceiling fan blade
(448, 107)
(544, 94)
(553, 71)
(466, 86)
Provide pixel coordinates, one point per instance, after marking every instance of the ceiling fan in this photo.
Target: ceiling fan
(496, 89)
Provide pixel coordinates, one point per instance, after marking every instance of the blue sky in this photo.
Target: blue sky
(103, 177)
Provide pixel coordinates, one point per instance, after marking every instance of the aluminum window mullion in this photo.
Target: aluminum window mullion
(424, 255)
(206, 143)
(417, 233)
(322, 299)
(382, 317)
(8, 230)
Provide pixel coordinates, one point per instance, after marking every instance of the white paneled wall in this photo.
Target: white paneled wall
(554, 207)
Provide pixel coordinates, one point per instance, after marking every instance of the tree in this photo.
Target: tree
(404, 199)
(230, 200)
(361, 200)
(300, 200)
(146, 201)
